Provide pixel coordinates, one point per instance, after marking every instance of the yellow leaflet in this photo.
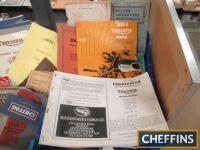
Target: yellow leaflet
(39, 43)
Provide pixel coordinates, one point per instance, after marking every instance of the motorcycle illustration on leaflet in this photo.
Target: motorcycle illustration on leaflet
(116, 66)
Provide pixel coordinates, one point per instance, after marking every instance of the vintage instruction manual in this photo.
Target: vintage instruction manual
(93, 112)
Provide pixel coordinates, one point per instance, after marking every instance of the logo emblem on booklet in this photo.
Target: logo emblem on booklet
(82, 111)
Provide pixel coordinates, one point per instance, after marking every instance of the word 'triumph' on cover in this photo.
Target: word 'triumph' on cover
(96, 112)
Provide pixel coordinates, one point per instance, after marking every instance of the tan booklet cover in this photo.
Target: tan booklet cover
(45, 65)
(40, 81)
(107, 48)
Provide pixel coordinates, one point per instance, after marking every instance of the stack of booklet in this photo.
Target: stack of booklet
(89, 77)
(22, 99)
(13, 129)
(101, 40)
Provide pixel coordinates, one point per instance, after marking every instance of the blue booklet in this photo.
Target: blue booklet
(14, 22)
(22, 109)
(148, 60)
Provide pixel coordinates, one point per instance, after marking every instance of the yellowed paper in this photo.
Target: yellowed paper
(39, 43)
(40, 81)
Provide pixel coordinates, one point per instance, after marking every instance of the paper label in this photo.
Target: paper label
(136, 13)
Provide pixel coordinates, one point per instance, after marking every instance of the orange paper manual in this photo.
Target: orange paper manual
(107, 48)
(67, 52)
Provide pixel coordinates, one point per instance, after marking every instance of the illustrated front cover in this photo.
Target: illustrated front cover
(107, 48)
(67, 51)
